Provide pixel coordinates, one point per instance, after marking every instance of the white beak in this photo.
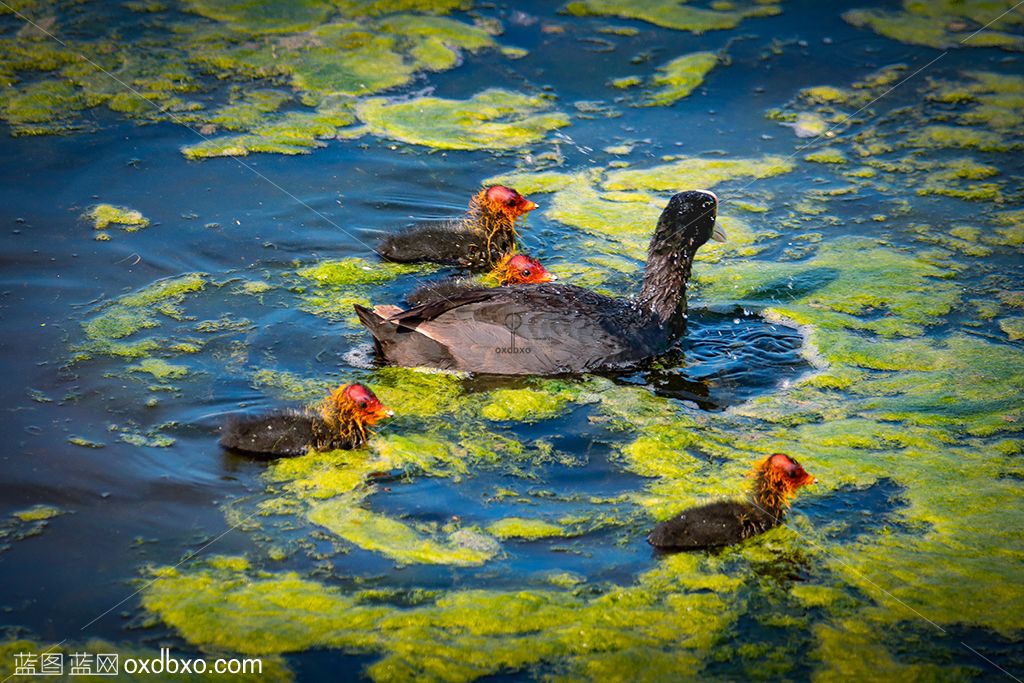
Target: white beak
(718, 234)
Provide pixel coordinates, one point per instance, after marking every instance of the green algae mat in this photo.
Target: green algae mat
(196, 191)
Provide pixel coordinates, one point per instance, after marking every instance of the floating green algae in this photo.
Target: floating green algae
(1013, 327)
(105, 215)
(297, 15)
(160, 369)
(294, 133)
(493, 119)
(695, 172)
(378, 7)
(473, 633)
(85, 443)
(392, 538)
(526, 529)
(672, 13)
(679, 77)
(329, 53)
(946, 24)
(106, 331)
(38, 513)
(354, 271)
(846, 279)
(248, 109)
(827, 156)
(295, 613)
(25, 523)
(338, 284)
(958, 137)
(540, 402)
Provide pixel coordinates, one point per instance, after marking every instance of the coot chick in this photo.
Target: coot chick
(512, 269)
(478, 240)
(726, 522)
(340, 421)
(551, 328)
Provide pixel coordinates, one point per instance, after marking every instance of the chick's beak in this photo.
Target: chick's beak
(380, 412)
(528, 206)
(718, 234)
(811, 480)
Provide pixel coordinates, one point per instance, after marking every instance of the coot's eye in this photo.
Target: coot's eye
(792, 474)
(511, 201)
(525, 273)
(362, 404)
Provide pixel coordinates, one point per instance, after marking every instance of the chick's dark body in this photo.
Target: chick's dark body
(451, 242)
(281, 434)
(720, 523)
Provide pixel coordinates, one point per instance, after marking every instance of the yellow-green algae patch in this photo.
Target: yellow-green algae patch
(946, 24)
(849, 283)
(542, 401)
(696, 172)
(527, 529)
(328, 52)
(679, 77)
(673, 14)
(259, 17)
(105, 215)
(107, 330)
(1013, 327)
(493, 119)
(294, 133)
(827, 156)
(473, 633)
(392, 538)
(958, 137)
(160, 369)
(338, 284)
(38, 513)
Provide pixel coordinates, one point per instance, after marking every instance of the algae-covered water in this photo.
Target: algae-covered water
(192, 191)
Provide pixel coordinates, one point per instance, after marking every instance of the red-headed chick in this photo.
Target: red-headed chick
(477, 240)
(512, 269)
(776, 479)
(340, 421)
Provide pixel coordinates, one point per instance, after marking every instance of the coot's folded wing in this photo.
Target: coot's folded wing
(524, 329)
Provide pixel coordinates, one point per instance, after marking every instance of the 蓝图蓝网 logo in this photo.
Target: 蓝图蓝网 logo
(513, 321)
(49, 663)
(52, 664)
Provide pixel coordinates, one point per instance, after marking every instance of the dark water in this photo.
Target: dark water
(133, 505)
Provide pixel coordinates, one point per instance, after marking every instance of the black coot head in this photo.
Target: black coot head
(690, 219)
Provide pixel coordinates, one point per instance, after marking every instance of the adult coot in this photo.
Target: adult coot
(554, 328)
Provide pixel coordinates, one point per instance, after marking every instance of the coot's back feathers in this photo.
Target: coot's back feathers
(441, 290)
(541, 329)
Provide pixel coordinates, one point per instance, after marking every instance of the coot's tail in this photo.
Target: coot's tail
(277, 434)
(400, 344)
